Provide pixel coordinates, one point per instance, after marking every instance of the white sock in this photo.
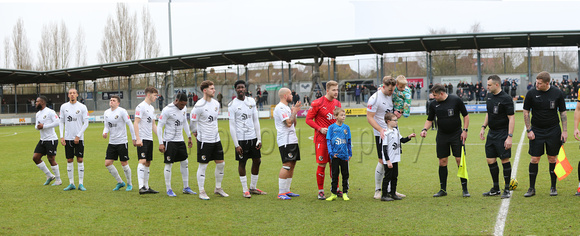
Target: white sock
(70, 169)
(219, 174)
(56, 172)
(254, 182)
(281, 185)
(146, 178)
(579, 185)
(167, 174)
(44, 169)
(288, 184)
(114, 173)
(127, 171)
(201, 176)
(379, 174)
(184, 173)
(81, 167)
(244, 181)
(140, 174)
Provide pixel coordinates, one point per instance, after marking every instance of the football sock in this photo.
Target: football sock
(219, 174)
(184, 173)
(244, 181)
(379, 174)
(127, 171)
(494, 170)
(141, 175)
(507, 173)
(201, 176)
(254, 182)
(281, 185)
(146, 178)
(533, 169)
(114, 173)
(288, 184)
(167, 174)
(443, 177)
(56, 172)
(70, 168)
(553, 176)
(44, 169)
(320, 177)
(81, 167)
(463, 183)
(579, 173)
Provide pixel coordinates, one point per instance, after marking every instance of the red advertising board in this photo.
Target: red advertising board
(415, 81)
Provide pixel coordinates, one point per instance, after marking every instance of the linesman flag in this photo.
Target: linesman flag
(563, 167)
(462, 170)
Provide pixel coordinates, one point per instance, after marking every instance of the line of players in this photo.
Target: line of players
(244, 120)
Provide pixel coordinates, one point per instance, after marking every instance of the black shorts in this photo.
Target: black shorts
(495, 144)
(550, 137)
(145, 151)
(71, 149)
(249, 150)
(207, 152)
(46, 147)
(289, 152)
(117, 152)
(445, 142)
(175, 152)
(379, 143)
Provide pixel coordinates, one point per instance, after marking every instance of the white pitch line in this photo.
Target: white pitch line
(505, 203)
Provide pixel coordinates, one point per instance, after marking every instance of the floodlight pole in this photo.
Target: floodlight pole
(170, 92)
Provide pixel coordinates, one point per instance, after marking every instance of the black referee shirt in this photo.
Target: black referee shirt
(499, 107)
(447, 113)
(545, 106)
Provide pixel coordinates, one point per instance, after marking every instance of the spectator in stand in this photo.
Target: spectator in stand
(514, 89)
(418, 88)
(160, 100)
(190, 99)
(430, 86)
(506, 86)
(482, 94)
(412, 87)
(450, 88)
(265, 96)
(357, 94)
(306, 101)
(220, 97)
(366, 93)
(530, 86)
(318, 94)
(195, 98)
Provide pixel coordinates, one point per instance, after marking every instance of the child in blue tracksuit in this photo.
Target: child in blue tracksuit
(340, 151)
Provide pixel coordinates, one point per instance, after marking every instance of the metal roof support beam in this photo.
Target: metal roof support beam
(186, 64)
(529, 63)
(276, 55)
(476, 45)
(424, 46)
(229, 59)
(150, 69)
(578, 62)
(479, 65)
(114, 72)
(321, 51)
(373, 48)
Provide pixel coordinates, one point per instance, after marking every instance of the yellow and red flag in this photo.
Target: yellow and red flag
(563, 167)
(462, 170)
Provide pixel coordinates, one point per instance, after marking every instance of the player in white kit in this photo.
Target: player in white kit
(144, 128)
(115, 120)
(204, 126)
(171, 143)
(46, 120)
(74, 120)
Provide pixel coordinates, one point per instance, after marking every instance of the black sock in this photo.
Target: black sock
(579, 171)
(494, 170)
(443, 177)
(463, 184)
(553, 176)
(533, 170)
(507, 173)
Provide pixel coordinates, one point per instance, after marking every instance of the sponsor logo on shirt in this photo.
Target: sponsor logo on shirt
(138, 113)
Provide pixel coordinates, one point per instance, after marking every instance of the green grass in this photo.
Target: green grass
(28, 207)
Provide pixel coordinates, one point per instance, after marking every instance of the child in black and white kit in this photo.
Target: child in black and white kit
(391, 157)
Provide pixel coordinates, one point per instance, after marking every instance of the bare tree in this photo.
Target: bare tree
(20, 49)
(80, 49)
(151, 46)
(7, 52)
(62, 47)
(54, 47)
(120, 41)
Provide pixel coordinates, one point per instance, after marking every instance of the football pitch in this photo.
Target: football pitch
(28, 207)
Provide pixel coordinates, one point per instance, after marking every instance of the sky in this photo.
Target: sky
(216, 25)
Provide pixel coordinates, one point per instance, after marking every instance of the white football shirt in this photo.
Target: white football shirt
(146, 113)
(380, 104)
(175, 121)
(115, 122)
(48, 118)
(244, 124)
(286, 135)
(393, 143)
(204, 116)
(75, 118)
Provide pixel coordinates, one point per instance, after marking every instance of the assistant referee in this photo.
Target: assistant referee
(446, 108)
(545, 102)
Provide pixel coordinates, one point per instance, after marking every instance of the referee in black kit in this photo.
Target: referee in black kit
(501, 121)
(545, 102)
(446, 109)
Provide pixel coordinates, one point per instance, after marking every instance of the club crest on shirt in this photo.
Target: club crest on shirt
(344, 131)
(450, 112)
(552, 104)
(203, 157)
(143, 154)
(250, 107)
(117, 116)
(78, 111)
(44, 117)
(168, 158)
(320, 158)
(290, 155)
(217, 108)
